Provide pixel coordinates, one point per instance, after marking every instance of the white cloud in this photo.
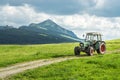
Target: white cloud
(99, 4)
(20, 15)
(24, 15)
(109, 27)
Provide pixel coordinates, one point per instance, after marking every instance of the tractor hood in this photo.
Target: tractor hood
(85, 43)
(82, 41)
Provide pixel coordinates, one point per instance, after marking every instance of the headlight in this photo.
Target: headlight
(81, 44)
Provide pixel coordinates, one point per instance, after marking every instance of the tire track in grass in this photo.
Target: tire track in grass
(20, 67)
(4, 72)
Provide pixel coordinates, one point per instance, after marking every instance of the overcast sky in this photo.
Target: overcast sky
(80, 16)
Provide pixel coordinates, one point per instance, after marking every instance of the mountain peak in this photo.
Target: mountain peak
(48, 21)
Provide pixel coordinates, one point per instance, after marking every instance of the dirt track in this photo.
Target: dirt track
(30, 65)
(4, 72)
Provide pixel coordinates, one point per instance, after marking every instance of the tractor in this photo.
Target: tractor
(92, 42)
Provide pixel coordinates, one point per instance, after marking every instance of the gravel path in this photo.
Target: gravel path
(7, 71)
(4, 72)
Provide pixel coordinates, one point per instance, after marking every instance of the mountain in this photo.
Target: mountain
(52, 26)
(44, 32)
(5, 27)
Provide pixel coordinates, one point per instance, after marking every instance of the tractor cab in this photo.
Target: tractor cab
(93, 36)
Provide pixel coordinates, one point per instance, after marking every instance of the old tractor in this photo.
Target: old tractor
(92, 42)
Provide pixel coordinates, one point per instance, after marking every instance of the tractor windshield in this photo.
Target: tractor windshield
(89, 38)
(93, 38)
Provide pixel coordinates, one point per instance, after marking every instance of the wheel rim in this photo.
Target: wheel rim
(91, 51)
(102, 48)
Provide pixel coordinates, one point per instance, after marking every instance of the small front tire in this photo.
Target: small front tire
(90, 51)
(77, 50)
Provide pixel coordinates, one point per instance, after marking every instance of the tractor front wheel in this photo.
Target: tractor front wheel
(90, 51)
(77, 50)
(102, 48)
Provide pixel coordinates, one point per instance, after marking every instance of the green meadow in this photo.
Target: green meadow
(98, 67)
(101, 67)
(12, 54)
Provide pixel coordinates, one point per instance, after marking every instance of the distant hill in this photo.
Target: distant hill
(5, 27)
(44, 32)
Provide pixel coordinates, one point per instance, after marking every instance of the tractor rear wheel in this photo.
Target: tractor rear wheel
(90, 51)
(102, 48)
(77, 50)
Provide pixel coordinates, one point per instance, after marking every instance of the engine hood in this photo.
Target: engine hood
(86, 43)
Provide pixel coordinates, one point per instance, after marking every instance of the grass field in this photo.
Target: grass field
(101, 67)
(113, 44)
(11, 54)
(105, 67)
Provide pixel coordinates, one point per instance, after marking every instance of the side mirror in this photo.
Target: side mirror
(83, 35)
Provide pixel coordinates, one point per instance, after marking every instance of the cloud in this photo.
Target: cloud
(52, 6)
(25, 14)
(19, 15)
(103, 8)
(80, 24)
(13, 15)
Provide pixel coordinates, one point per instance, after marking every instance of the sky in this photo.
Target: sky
(79, 16)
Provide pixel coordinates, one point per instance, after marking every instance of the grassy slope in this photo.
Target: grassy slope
(105, 67)
(113, 44)
(102, 67)
(11, 54)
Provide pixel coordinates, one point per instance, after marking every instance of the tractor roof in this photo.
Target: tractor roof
(94, 33)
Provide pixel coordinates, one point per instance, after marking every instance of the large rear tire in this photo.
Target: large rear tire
(77, 50)
(90, 51)
(102, 49)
